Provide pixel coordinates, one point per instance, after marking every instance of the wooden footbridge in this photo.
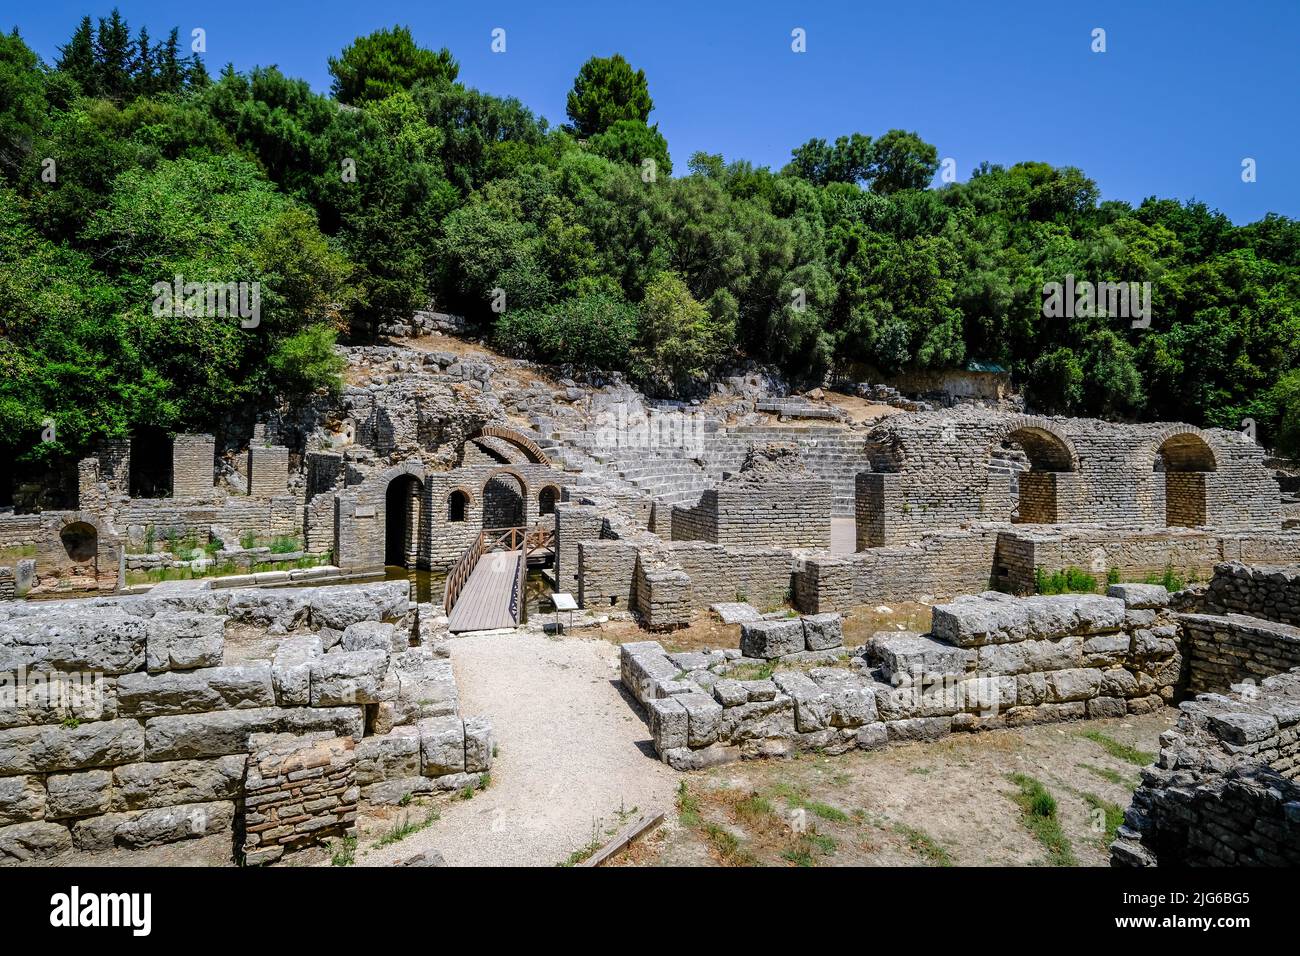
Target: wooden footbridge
(486, 586)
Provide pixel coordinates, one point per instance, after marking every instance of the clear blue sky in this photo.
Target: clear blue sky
(1185, 90)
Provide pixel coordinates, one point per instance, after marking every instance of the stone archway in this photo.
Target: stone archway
(403, 520)
(1185, 458)
(547, 499)
(505, 500)
(1033, 475)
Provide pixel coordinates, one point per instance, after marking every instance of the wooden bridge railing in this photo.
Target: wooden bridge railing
(527, 540)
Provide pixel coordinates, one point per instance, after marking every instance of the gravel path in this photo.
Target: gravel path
(572, 752)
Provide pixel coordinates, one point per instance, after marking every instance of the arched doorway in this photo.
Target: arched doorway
(546, 500)
(402, 521)
(504, 501)
(457, 505)
(1185, 459)
(80, 543)
(1030, 459)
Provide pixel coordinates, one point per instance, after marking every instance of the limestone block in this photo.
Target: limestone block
(52, 748)
(1031, 689)
(812, 704)
(442, 746)
(852, 705)
(919, 728)
(194, 691)
(642, 665)
(98, 640)
(759, 690)
(669, 724)
(909, 653)
(729, 693)
(1118, 682)
(145, 786)
(185, 641)
(823, 631)
(1071, 684)
(291, 670)
(1099, 707)
(771, 639)
(478, 745)
(22, 799)
(426, 682)
(873, 736)
(186, 736)
(346, 678)
(374, 635)
(703, 716)
(1106, 650)
(34, 841)
(78, 794)
(392, 756)
(140, 828)
(337, 607)
(1140, 595)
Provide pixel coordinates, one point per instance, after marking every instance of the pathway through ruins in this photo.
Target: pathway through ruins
(572, 753)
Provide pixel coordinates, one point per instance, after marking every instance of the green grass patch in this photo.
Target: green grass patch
(796, 798)
(762, 671)
(1110, 815)
(1105, 773)
(1118, 750)
(920, 842)
(1039, 813)
(1072, 580)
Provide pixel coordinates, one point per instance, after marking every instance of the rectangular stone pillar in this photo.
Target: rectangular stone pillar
(193, 466)
(268, 470)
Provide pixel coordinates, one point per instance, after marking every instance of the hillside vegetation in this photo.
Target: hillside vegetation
(124, 164)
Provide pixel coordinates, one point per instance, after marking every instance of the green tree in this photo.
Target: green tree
(22, 102)
(901, 160)
(681, 342)
(848, 161)
(77, 58)
(605, 91)
(385, 62)
(631, 141)
(113, 56)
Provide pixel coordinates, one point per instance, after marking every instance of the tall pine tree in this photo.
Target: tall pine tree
(113, 57)
(171, 67)
(77, 58)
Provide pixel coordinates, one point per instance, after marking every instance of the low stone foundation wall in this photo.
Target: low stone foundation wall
(1225, 650)
(1223, 791)
(135, 722)
(1265, 591)
(991, 661)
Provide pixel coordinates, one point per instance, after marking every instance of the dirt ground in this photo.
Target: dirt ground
(952, 802)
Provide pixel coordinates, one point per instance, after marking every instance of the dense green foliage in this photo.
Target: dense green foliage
(122, 165)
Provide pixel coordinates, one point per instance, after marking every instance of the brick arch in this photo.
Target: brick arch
(521, 441)
(492, 520)
(542, 503)
(1184, 448)
(1046, 446)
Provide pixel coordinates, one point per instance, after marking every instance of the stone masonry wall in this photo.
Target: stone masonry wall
(193, 466)
(123, 723)
(1268, 592)
(1223, 791)
(990, 661)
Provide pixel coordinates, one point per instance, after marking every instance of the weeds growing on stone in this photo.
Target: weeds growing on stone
(404, 826)
(1038, 809)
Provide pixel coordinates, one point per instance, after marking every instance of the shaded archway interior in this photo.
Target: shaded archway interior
(1185, 459)
(504, 498)
(402, 521)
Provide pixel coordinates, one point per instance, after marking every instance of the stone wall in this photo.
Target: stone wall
(1228, 649)
(127, 722)
(1268, 592)
(990, 661)
(1223, 791)
(299, 790)
(748, 514)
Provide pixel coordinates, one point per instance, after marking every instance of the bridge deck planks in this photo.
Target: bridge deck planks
(484, 602)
